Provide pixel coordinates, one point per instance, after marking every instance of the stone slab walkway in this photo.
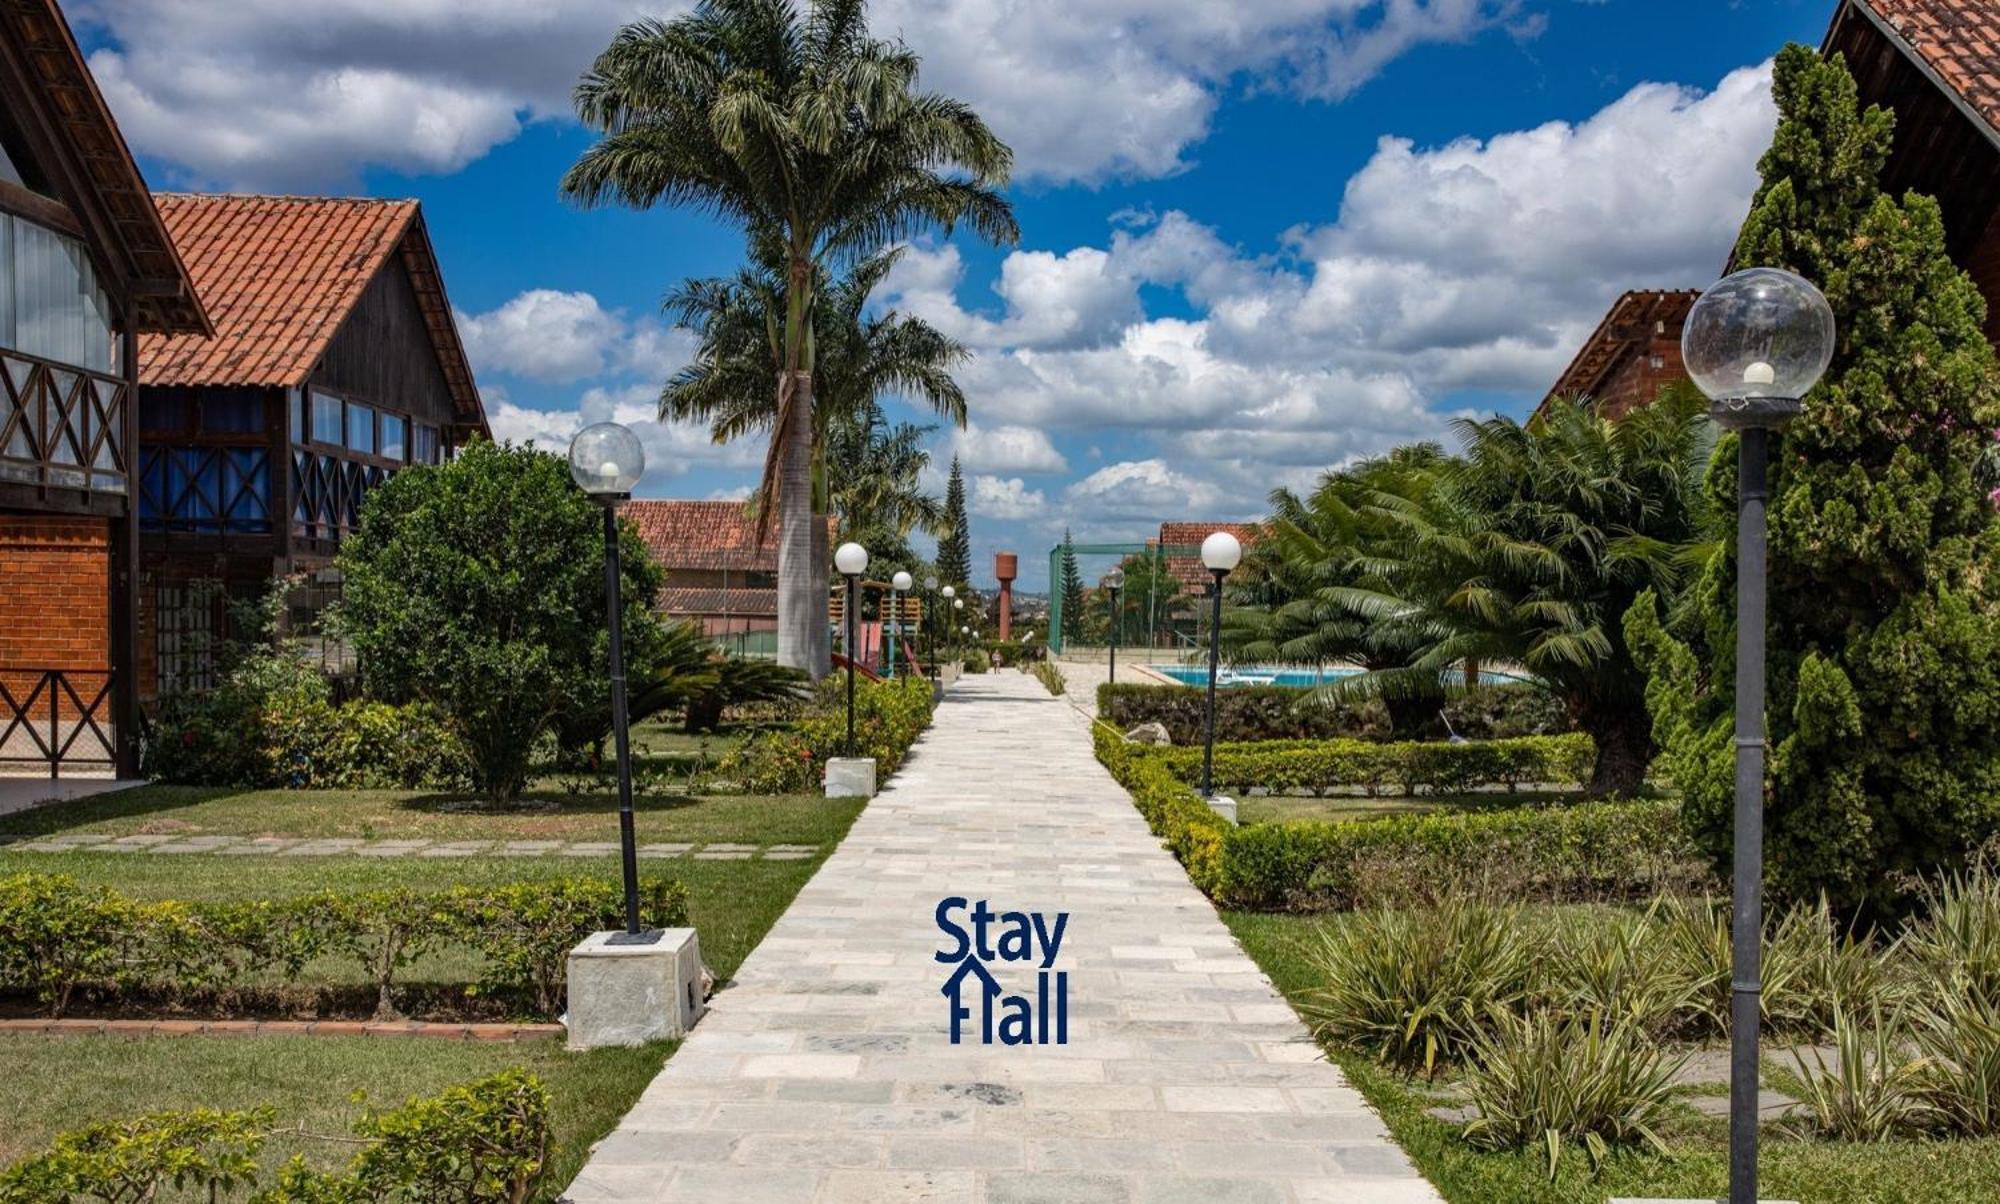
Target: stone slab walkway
(297, 846)
(824, 1072)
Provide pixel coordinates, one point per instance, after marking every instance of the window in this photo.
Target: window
(360, 428)
(295, 409)
(426, 446)
(392, 436)
(185, 622)
(50, 305)
(326, 418)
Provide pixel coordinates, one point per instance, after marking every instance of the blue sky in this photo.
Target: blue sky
(1258, 239)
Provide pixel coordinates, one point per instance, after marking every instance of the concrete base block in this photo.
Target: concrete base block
(621, 995)
(1223, 806)
(850, 777)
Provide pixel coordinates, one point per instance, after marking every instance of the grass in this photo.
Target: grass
(1286, 809)
(1954, 1172)
(415, 815)
(56, 1085)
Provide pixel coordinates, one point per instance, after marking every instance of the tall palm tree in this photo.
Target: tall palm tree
(812, 136)
(1531, 549)
(860, 465)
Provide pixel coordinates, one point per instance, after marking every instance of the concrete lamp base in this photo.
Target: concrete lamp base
(1223, 806)
(629, 994)
(850, 777)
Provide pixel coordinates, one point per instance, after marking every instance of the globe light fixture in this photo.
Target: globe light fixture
(898, 585)
(606, 461)
(1221, 552)
(852, 561)
(930, 621)
(1755, 343)
(1114, 581)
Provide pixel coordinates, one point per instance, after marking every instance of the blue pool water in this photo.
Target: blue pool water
(1246, 675)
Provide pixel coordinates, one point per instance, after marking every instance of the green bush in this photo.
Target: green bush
(132, 1161)
(1050, 677)
(304, 742)
(1545, 1080)
(486, 1142)
(57, 938)
(1246, 714)
(1586, 851)
(888, 718)
(1409, 767)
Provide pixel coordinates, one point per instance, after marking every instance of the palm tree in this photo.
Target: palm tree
(874, 483)
(1532, 547)
(812, 136)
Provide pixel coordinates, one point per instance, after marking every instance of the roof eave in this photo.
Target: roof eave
(1916, 58)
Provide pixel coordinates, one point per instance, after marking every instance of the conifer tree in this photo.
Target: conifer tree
(954, 552)
(1072, 590)
(1884, 675)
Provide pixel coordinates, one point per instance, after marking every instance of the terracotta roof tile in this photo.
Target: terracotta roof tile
(280, 275)
(1959, 39)
(704, 535)
(1187, 568)
(698, 600)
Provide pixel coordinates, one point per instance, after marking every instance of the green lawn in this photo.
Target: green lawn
(391, 814)
(55, 1085)
(1955, 1172)
(1286, 809)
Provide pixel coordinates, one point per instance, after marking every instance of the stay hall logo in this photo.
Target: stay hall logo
(982, 940)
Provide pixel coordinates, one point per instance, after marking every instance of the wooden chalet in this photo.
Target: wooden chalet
(1633, 354)
(90, 269)
(718, 573)
(335, 363)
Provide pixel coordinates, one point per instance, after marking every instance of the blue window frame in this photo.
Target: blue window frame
(360, 429)
(326, 422)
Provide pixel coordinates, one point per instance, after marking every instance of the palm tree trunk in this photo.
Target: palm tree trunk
(801, 581)
(822, 615)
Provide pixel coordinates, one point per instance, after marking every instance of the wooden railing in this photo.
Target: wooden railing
(61, 426)
(58, 718)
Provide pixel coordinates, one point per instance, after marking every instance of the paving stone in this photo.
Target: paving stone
(1770, 1104)
(590, 849)
(826, 1066)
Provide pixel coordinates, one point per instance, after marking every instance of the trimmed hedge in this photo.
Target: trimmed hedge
(59, 939)
(1411, 767)
(1590, 851)
(888, 718)
(1258, 713)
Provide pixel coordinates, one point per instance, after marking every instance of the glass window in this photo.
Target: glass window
(54, 308)
(326, 418)
(295, 409)
(426, 447)
(392, 436)
(360, 428)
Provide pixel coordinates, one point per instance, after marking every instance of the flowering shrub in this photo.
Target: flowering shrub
(888, 718)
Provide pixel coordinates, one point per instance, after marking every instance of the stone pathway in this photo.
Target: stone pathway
(824, 1072)
(287, 846)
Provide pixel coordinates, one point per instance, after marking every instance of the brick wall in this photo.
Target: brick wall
(55, 591)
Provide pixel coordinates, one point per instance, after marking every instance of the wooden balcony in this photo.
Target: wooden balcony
(62, 437)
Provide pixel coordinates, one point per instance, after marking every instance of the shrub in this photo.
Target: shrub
(302, 741)
(133, 1160)
(526, 930)
(1417, 988)
(888, 718)
(1958, 1033)
(1413, 767)
(1954, 944)
(1176, 814)
(485, 1142)
(1874, 1091)
(1610, 966)
(1253, 713)
(1545, 1080)
(57, 935)
(1050, 677)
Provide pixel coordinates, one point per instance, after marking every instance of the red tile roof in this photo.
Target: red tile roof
(1186, 567)
(1959, 40)
(280, 275)
(711, 536)
(699, 600)
(114, 206)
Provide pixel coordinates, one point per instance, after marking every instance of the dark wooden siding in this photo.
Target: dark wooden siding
(383, 353)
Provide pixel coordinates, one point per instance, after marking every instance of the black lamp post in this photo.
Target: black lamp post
(606, 461)
(1755, 343)
(930, 621)
(1114, 581)
(1220, 553)
(852, 561)
(899, 585)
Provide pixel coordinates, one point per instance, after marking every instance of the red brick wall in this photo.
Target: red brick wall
(55, 591)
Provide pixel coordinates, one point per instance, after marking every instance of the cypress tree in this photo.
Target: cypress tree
(954, 552)
(1072, 591)
(1884, 675)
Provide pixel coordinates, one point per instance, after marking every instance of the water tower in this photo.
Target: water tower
(1005, 567)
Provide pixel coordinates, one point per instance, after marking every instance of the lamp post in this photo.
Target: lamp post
(1755, 343)
(898, 585)
(1113, 582)
(606, 460)
(852, 561)
(930, 621)
(1220, 553)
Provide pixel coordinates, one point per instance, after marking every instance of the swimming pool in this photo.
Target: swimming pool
(1280, 675)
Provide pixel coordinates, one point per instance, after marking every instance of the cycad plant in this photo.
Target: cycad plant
(813, 136)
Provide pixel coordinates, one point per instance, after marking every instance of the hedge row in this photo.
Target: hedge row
(300, 741)
(1588, 851)
(888, 718)
(1411, 767)
(1254, 713)
(59, 939)
(485, 1142)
